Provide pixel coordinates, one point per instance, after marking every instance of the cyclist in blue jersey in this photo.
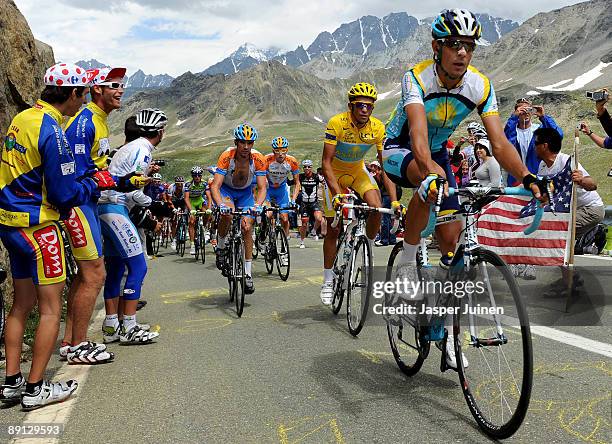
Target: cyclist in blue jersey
(437, 95)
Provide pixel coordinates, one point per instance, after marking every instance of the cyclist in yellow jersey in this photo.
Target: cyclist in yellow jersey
(348, 137)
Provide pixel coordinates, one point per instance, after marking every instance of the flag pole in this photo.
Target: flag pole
(572, 242)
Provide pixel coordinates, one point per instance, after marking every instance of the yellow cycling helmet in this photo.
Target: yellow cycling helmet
(362, 89)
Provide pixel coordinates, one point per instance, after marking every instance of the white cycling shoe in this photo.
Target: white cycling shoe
(48, 393)
(327, 293)
(451, 358)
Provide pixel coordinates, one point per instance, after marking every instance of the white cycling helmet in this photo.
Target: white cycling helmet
(474, 126)
(156, 176)
(307, 163)
(151, 119)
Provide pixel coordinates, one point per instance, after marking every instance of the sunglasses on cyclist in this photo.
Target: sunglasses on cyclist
(364, 105)
(458, 44)
(113, 85)
(307, 168)
(281, 150)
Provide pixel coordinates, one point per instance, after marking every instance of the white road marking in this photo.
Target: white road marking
(601, 348)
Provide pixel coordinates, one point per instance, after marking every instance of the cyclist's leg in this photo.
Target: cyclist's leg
(83, 229)
(281, 196)
(128, 246)
(225, 220)
(305, 215)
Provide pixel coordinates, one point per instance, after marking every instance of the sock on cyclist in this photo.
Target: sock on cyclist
(328, 275)
(409, 254)
(111, 321)
(247, 267)
(129, 322)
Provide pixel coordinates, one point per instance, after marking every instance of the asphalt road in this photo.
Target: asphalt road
(289, 371)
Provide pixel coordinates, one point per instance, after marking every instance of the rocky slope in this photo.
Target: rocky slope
(23, 61)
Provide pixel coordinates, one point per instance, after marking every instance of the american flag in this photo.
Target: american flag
(501, 225)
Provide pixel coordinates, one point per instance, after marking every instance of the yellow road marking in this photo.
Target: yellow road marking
(301, 428)
(199, 325)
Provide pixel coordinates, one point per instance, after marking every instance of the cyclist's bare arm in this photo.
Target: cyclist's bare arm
(262, 188)
(389, 185)
(215, 188)
(187, 201)
(208, 199)
(329, 151)
(296, 187)
(415, 112)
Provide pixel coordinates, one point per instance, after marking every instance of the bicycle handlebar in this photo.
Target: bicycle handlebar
(493, 191)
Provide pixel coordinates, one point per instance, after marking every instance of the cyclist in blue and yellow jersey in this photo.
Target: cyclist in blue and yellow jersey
(436, 96)
(279, 165)
(88, 135)
(38, 187)
(348, 137)
(232, 189)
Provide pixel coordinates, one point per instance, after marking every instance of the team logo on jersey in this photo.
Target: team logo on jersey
(79, 148)
(67, 168)
(10, 143)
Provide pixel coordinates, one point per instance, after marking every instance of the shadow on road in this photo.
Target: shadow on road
(420, 396)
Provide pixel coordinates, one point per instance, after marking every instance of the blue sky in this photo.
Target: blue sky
(175, 36)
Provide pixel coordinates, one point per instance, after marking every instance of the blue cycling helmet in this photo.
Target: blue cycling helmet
(280, 142)
(245, 132)
(456, 22)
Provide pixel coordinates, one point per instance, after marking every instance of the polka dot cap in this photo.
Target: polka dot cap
(66, 74)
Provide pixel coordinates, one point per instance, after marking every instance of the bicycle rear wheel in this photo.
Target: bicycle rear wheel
(497, 375)
(269, 251)
(197, 241)
(156, 242)
(359, 285)
(408, 349)
(255, 242)
(239, 275)
(339, 269)
(283, 259)
(181, 239)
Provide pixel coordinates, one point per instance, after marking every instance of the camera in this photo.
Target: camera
(597, 95)
(159, 162)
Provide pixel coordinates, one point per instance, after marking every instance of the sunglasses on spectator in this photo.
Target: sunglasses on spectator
(364, 105)
(458, 44)
(113, 85)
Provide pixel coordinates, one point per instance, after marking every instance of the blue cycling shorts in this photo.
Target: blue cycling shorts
(396, 159)
(278, 196)
(240, 199)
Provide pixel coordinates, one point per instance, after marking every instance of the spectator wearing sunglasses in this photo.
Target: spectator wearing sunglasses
(519, 130)
(88, 135)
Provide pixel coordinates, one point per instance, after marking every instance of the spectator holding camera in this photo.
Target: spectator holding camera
(519, 130)
(602, 112)
(606, 123)
(602, 142)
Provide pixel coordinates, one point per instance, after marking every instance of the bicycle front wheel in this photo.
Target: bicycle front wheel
(239, 276)
(359, 285)
(282, 254)
(269, 251)
(496, 369)
(202, 237)
(409, 351)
